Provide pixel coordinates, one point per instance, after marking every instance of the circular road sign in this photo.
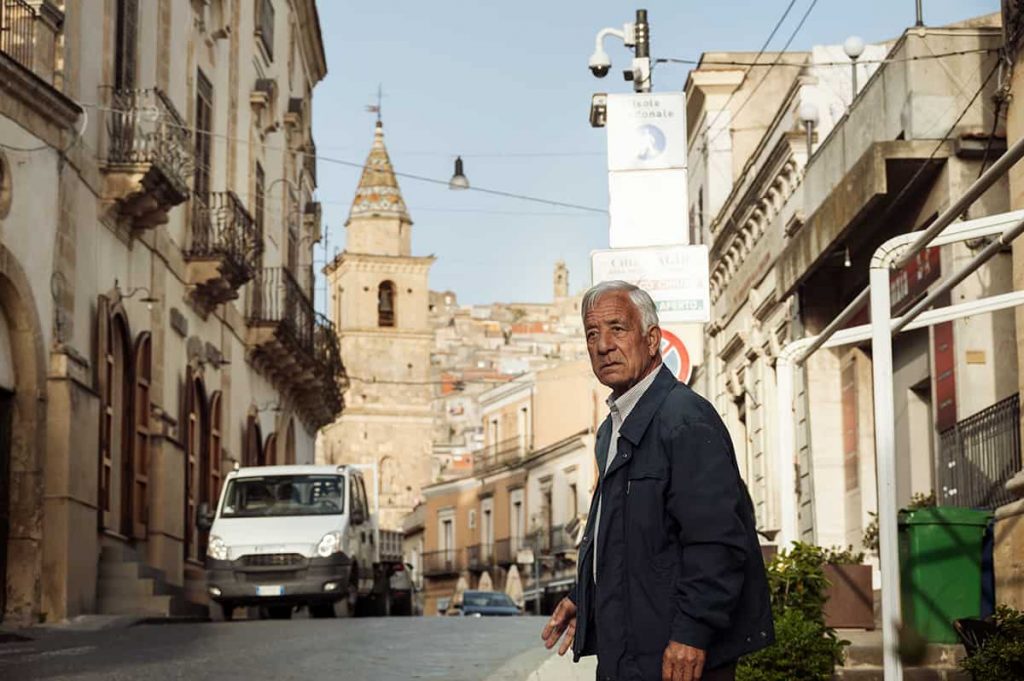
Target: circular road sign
(675, 356)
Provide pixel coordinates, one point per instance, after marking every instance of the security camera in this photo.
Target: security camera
(600, 64)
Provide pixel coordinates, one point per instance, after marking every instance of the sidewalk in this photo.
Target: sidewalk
(545, 665)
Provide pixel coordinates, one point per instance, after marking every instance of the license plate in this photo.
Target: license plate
(269, 590)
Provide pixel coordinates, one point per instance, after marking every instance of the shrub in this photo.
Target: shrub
(1002, 656)
(805, 649)
(870, 539)
(847, 556)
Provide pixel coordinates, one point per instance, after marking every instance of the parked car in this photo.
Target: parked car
(484, 604)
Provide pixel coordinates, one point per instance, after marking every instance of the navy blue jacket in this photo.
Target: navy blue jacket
(678, 557)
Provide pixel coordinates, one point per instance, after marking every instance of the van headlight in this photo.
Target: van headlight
(216, 548)
(329, 545)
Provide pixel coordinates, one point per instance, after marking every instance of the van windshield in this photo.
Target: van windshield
(284, 495)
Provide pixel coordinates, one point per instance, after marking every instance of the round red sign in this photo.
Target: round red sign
(675, 356)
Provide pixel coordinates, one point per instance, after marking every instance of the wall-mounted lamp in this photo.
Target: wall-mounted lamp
(149, 299)
(458, 180)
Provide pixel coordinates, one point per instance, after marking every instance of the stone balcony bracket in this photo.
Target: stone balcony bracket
(147, 157)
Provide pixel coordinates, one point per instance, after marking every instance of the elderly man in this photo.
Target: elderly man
(671, 584)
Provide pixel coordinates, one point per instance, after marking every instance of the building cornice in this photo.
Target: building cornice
(21, 89)
(368, 262)
(308, 19)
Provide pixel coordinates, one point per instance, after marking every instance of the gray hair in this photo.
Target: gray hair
(640, 298)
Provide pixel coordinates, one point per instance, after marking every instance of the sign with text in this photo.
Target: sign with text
(647, 186)
(676, 277)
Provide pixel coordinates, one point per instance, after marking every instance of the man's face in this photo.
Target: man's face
(620, 352)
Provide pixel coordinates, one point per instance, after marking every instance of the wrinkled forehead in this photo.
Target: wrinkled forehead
(611, 306)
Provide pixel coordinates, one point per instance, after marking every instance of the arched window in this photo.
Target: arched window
(289, 443)
(115, 388)
(270, 449)
(195, 444)
(386, 304)
(253, 454)
(212, 472)
(140, 447)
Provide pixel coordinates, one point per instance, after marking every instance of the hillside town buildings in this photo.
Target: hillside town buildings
(157, 167)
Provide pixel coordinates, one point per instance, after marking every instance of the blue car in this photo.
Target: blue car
(484, 604)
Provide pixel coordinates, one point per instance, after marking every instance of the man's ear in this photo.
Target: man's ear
(654, 341)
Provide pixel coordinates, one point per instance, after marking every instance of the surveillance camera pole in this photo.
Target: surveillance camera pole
(642, 49)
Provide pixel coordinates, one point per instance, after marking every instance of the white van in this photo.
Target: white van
(289, 536)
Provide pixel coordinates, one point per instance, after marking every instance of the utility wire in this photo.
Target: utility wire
(730, 62)
(764, 76)
(764, 46)
(365, 168)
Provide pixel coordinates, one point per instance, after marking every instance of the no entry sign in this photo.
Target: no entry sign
(675, 356)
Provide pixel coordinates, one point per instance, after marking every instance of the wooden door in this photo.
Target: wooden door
(6, 419)
(139, 503)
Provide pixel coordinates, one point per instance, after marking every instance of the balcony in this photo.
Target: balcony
(148, 157)
(28, 35)
(505, 550)
(445, 563)
(294, 346)
(495, 456)
(223, 250)
(480, 557)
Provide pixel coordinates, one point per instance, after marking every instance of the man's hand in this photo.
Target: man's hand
(682, 663)
(562, 621)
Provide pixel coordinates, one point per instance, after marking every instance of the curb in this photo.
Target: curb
(521, 666)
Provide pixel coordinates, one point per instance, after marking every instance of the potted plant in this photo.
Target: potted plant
(850, 600)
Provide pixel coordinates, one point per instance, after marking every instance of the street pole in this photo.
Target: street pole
(920, 14)
(643, 50)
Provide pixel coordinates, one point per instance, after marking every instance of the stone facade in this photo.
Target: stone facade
(380, 301)
(143, 254)
(792, 220)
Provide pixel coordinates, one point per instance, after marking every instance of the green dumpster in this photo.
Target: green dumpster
(940, 568)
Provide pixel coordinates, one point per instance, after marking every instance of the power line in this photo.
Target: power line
(764, 46)
(800, 65)
(365, 168)
(764, 76)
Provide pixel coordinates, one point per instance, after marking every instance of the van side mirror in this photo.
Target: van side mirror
(358, 517)
(204, 519)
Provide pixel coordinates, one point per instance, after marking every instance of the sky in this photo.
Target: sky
(506, 86)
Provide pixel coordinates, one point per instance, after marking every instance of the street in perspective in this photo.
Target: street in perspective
(512, 341)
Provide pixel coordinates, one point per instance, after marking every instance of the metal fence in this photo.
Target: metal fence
(144, 127)
(276, 297)
(499, 454)
(978, 456)
(441, 563)
(221, 226)
(17, 30)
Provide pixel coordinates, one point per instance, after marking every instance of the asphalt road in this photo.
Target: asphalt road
(454, 649)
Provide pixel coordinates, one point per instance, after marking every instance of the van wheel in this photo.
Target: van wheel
(347, 606)
(321, 611)
(221, 612)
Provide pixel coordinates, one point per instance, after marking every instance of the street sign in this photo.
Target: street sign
(525, 556)
(675, 356)
(647, 157)
(676, 277)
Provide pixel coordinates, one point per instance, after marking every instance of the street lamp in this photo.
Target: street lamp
(635, 35)
(458, 180)
(809, 117)
(854, 48)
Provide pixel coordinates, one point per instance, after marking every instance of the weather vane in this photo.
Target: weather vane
(375, 108)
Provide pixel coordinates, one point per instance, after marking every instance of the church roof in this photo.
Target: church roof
(378, 193)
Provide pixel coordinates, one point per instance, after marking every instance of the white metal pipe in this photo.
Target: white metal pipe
(984, 256)
(885, 463)
(900, 245)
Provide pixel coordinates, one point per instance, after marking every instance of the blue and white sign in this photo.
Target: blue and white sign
(647, 184)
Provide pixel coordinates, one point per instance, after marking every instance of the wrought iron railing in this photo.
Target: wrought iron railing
(327, 353)
(222, 227)
(505, 550)
(275, 297)
(143, 127)
(17, 30)
(444, 562)
(499, 454)
(978, 456)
